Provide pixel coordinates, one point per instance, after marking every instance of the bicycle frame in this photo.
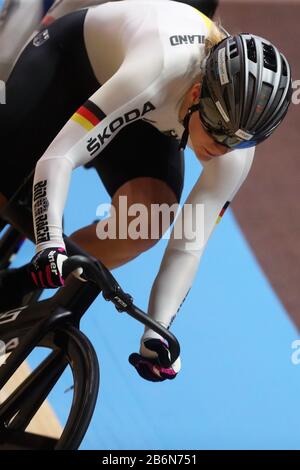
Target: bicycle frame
(54, 323)
(50, 323)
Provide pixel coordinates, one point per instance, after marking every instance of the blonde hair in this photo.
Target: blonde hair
(216, 34)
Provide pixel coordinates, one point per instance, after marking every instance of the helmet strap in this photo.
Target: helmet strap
(186, 123)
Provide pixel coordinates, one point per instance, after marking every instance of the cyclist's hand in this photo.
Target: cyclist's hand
(46, 268)
(154, 361)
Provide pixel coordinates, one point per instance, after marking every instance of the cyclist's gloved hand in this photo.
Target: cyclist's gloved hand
(153, 363)
(46, 268)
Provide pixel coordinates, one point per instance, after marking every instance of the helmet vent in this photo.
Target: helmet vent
(233, 51)
(251, 49)
(284, 68)
(270, 61)
(262, 102)
(226, 98)
(278, 98)
(250, 96)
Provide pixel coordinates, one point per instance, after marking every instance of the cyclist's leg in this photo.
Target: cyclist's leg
(115, 252)
(151, 173)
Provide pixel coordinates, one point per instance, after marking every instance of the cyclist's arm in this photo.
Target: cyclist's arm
(220, 180)
(124, 98)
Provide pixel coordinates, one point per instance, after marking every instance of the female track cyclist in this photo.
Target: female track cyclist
(127, 85)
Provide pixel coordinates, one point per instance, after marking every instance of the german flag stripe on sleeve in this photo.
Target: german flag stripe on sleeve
(88, 115)
(222, 212)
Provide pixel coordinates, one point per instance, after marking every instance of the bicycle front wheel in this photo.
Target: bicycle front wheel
(68, 347)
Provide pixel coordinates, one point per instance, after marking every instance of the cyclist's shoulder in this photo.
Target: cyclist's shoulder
(166, 13)
(180, 14)
(157, 25)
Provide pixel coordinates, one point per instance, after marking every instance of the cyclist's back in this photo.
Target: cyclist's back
(115, 31)
(139, 51)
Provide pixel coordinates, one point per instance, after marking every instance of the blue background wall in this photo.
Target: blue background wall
(238, 388)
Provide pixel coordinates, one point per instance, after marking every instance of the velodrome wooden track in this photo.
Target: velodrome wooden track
(45, 422)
